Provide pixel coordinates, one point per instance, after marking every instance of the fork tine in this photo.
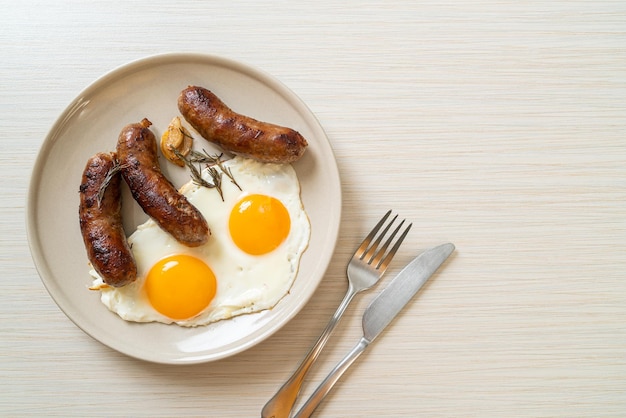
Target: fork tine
(383, 264)
(376, 258)
(360, 252)
(369, 255)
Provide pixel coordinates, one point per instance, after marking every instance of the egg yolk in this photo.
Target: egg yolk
(180, 286)
(258, 224)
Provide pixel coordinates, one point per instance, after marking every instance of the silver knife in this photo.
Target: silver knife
(380, 313)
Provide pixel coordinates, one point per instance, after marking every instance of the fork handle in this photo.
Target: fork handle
(280, 405)
(324, 388)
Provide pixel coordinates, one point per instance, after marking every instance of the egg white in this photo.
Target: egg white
(245, 283)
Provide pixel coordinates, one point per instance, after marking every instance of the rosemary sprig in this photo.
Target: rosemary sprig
(205, 157)
(196, 171)
(217, 180)
(107, 179)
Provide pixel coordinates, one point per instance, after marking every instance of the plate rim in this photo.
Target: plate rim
(118, 72)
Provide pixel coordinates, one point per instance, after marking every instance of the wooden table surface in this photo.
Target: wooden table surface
(498, 125)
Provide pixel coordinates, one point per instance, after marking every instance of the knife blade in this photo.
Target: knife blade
(401, 290)
(379, 314)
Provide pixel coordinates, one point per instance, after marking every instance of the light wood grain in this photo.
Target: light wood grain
(499, 126)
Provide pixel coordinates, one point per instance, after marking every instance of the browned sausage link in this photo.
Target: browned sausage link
(101, 222)
(137, 154)
(237, 133)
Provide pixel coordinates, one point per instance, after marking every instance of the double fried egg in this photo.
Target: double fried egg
(259, 231)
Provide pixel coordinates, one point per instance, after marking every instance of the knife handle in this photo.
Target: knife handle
(324, 388)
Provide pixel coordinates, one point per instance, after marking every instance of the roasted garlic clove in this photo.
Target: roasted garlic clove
(176, 136)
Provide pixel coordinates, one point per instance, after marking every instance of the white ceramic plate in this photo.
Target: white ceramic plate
(91, 123)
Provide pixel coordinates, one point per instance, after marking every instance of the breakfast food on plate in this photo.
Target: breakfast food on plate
(137, 155)
(259, 232)
(237, 133)
(176, 139)
(169, 270)
(101, 221)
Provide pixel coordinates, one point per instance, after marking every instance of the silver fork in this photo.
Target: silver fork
(367, 266)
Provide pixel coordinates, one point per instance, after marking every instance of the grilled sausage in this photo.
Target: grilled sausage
(137, 154)
(101, 222)
(237, 133)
